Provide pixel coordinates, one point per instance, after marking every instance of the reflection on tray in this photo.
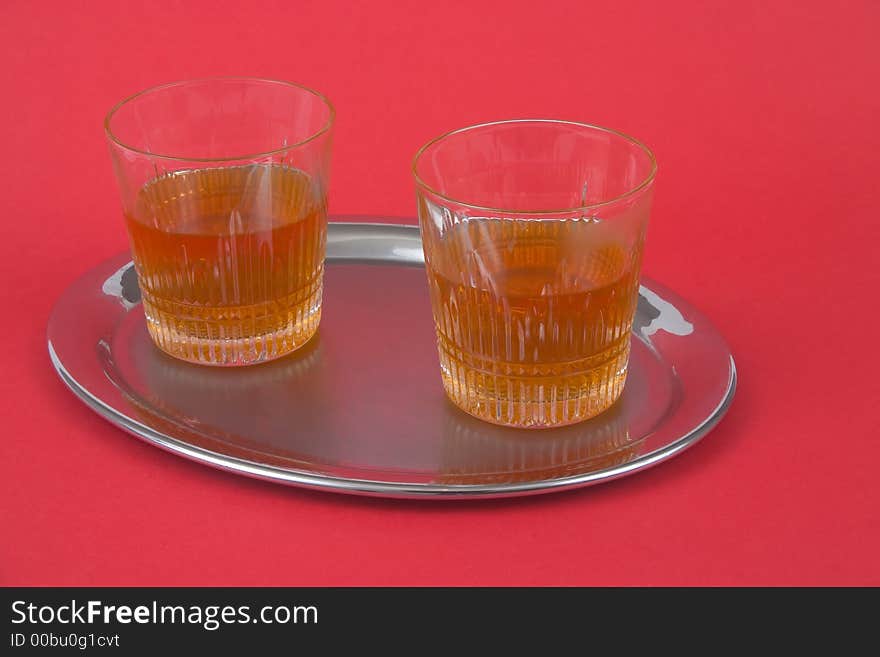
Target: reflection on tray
(289, 413)
(479, 453)
(656, 314)
(228, 410)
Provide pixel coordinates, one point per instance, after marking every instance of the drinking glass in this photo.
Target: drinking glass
(224, 193)
(533, 232)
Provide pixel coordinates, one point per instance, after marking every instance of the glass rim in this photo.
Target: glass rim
(180, 83)
(571, 210)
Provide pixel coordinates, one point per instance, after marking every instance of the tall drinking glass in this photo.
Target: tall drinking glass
(224, 192)
(533, 233)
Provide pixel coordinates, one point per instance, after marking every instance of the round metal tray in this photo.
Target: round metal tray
(360, 408)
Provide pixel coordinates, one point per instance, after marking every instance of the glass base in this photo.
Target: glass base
(534, 397)
(233, 336)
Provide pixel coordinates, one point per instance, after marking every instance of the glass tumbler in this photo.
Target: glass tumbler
(533, 233)
(224, 193)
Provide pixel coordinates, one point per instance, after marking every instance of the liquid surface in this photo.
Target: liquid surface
(230, 261)
(533, 317)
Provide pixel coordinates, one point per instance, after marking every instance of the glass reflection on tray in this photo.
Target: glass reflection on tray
(475, 452)
(242, 408)
(393, 421)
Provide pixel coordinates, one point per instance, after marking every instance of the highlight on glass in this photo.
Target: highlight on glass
(533, 233)
(224, 193)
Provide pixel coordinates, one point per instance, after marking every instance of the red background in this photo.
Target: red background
(763, 116)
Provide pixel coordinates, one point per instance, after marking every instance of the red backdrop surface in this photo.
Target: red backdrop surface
(763, 116)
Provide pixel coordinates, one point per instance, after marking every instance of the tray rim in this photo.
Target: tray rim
(371, 487)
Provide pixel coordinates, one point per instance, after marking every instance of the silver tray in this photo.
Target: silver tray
(360, 409)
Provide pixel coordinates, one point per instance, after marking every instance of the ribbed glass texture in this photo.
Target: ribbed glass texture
(533, 303)
(224, 195)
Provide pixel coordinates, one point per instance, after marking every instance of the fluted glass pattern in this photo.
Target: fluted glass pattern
(532, 317)
(533, 306)
(224, 192)
(230, 262)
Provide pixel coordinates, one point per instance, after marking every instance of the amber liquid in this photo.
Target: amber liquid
(533, 318)
(230, 261)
